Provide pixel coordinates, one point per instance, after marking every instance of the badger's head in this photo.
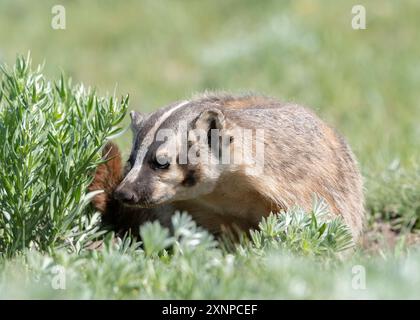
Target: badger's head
(175, 156)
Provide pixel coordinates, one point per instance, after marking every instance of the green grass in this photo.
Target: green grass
(196, 267)
(365, 83)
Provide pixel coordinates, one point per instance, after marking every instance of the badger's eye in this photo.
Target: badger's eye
(161, 162)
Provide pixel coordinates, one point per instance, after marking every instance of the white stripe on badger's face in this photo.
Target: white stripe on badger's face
(147, 141)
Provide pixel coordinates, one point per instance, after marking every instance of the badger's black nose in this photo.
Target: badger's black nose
(125, 194)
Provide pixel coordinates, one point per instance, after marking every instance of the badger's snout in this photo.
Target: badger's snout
(136, 195)
(126, 194)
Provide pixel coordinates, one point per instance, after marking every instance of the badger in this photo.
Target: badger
(229, 160)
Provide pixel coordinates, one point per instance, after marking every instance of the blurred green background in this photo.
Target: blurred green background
(364, 82)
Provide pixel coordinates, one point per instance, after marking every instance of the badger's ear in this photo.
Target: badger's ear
(210, 124)
(136, 121)
(210, 119)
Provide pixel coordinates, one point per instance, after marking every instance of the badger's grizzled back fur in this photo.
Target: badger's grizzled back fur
(302, 156)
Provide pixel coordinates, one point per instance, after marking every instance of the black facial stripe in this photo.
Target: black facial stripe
(136, 143)
(148, 125)
(185, 112)
(132, 157)
(172, 120)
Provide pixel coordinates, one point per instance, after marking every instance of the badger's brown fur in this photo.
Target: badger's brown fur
(107, 177)
(302, 157)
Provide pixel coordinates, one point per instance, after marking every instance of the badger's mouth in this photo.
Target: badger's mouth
(147, 204)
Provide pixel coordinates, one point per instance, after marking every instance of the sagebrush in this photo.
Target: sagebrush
(51, 134)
